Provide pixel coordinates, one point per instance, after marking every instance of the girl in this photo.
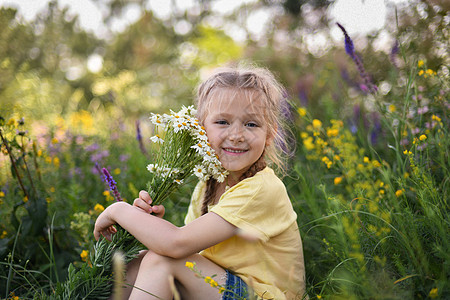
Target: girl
(243, 230)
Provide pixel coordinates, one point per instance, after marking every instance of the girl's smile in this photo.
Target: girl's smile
(237, 131)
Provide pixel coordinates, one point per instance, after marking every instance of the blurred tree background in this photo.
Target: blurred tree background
(86, 97)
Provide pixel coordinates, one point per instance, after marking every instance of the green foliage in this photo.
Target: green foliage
(369, 182)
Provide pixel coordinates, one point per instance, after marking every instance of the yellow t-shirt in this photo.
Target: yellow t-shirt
(273, 265)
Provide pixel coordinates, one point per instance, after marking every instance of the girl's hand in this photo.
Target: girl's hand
(144, 202)
(104, 225)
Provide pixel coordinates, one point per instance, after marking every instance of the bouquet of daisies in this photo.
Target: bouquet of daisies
(183, 151)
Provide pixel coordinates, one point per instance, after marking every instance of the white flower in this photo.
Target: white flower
(220, 177)
(152, 168)
(157, 139)
(200, 172)
(179, 181)
(199, 148)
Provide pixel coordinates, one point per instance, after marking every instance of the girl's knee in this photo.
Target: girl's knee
(152, 259)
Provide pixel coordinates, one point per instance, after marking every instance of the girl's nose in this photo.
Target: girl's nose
(236, 134)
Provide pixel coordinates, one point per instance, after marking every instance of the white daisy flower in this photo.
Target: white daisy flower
(157, 139)
(179, 181)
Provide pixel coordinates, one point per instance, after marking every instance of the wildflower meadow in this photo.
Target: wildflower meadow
(369, 119)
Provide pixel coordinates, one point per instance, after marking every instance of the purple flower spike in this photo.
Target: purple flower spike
(393, 54)
(112, 184)
(139, 138)
(350, 50)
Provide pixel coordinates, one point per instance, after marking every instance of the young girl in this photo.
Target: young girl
(243, 230)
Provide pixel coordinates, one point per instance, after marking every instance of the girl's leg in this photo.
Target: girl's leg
(131, 274)
(155, 270)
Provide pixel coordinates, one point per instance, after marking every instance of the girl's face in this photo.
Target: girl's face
(237, 131)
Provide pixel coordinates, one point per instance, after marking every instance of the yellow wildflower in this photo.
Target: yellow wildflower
(116, 171)
(433, 293)
(421, 72)
(332, 132)
(398, 193)
(11, 122)
(39, 153)
(317, 123)
(4, 234)
(337, 180)
(221, 290)
(25, 199)
(52, 189)
(190, 265)
(48, 199)
(56, 162)
(99, 208)
(301, 111)
(392, 108)
(420, 63)
(436, 118)
(423, 137)
(2, 194)
(84, 254)
(54, 140)
(106, 193)
(337, 157)
(366, 159)
(48, 160)
(430, 72)
(376, 163)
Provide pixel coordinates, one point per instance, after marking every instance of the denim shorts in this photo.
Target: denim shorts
(236, 288)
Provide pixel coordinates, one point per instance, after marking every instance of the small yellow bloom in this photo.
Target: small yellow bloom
(116, 171)
(420, 63)
(317, 124)
(337, 180)
(208, 279)
(99, 208)
(221, 290)
(54, 140)
(304, 135)
(376, 163)
(319, 297)
(392, 108)
(11, 122)
(106, 193)
(421, 72)
(48, 199)
(337, 157)
(52, 189)
(423, 137)
(366, 159)
(332, 132)
(398, 193)
(4, 234)
(301, 111)
(430, 72)
(56, 162)
(39, 153)
(84, 255)
(25, 199)
(433, 293)
(2, 194)
(48, 160)
(436, 118)
(189, 264)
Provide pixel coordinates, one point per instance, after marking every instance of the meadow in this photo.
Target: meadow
(369, 178)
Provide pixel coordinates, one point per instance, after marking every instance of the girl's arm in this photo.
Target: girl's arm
(161, 236)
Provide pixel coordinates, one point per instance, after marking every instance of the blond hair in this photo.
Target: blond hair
(253, 83)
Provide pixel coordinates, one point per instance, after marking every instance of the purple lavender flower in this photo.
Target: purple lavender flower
(139, 138)
(112, 184)
(350, 50)
(393, 54)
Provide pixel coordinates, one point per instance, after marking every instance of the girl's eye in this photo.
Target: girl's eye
(221, 122)
(251, 124)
